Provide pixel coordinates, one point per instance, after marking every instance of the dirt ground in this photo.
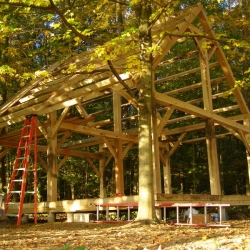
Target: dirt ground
(114, 236)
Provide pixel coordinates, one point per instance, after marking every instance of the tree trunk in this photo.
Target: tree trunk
(146, 204)
(72, 191)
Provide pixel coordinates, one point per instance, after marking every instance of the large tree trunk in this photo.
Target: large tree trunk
(146, 209)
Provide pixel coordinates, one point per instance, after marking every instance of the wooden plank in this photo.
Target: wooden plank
(17, 96)
(180, 105)
(84, 204)
(30, 102)
(58, 103)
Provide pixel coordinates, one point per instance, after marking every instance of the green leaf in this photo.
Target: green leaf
(66, 247)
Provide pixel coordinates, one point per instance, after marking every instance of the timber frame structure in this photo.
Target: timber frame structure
(54, 98)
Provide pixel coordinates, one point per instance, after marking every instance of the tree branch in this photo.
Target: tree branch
(113, 70)
(75, 31)
(51, 8)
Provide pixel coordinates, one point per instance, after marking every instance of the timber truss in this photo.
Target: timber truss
(189, 106)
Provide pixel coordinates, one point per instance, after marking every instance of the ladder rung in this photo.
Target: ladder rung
(29, 192)
(20, 158)
(25, 136)
(24, 147)
(28, 125)
(19, 180)
(12, 203)
(20, 169)
(15, 192)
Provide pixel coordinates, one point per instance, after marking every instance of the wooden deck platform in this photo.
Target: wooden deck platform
(88, 205)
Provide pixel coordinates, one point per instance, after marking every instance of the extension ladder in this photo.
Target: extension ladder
(22, 178)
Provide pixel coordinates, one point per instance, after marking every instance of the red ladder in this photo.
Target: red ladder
(22, 169)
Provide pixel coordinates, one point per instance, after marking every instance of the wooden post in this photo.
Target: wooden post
(119, 178)
(247, 123)
(103, 193)
(51, 159)
(248, 176)
(213, 162)
(167, 172)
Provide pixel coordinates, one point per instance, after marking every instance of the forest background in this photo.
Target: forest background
(36, 34)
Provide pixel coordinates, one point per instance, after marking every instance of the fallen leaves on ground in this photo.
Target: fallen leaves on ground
(117, 236)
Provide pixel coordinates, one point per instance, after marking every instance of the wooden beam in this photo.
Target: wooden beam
(42, 129)
(44, 164)
(128, 147)
(164, 119)
(212, 155)
(223, 62)
(204, 138)
(4, 152)
(110, 147)
(81, 110)
(64, 138)
(178, 58)
(59, 121)
(94, 167)
(233, 132)
(60, 164)
(193, 86)
(176, 145)
(108, 160)
(205, 77)
(180, 105)
(191, 71)
(84, 142)
(61, 151)
(244, 140)
(167, 43)
(97, 132)
(128, 97)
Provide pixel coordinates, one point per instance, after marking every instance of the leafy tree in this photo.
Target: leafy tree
(35, 34)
